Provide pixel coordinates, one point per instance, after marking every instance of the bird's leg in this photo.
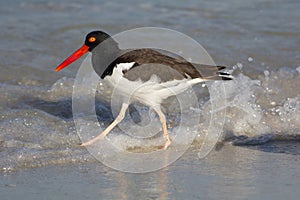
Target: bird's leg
(119, 118)
(162, 119)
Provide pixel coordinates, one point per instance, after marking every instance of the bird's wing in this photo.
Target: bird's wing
(149, 62)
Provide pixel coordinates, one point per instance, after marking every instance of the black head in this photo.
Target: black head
(94, 38)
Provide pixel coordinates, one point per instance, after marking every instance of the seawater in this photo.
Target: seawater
(258, 40)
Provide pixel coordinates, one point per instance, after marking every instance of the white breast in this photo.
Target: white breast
(151, 92)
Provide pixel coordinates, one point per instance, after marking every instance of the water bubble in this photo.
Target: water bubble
(298, 69)
(239, 65)
(267, 73)
(250, 59)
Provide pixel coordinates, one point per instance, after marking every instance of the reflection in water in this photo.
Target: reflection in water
(232, 173)
(236, 170)
(138, 186)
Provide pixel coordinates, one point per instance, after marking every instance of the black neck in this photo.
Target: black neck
(104, 55)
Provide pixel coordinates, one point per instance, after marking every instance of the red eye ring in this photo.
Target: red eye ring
(92, 39)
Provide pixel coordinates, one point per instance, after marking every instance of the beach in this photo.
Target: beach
(229, 173)
(257, 152)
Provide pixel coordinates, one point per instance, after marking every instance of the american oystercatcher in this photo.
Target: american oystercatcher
(146, 75)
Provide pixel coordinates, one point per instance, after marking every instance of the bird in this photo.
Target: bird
(148, 75)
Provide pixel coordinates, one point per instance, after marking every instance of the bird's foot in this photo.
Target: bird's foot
(84, 144)
(167, 144)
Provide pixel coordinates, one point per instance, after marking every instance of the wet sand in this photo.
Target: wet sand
(230, 172)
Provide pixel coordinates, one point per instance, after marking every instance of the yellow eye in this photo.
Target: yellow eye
(92, 39)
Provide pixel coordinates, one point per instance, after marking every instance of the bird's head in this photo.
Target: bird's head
(92, 40)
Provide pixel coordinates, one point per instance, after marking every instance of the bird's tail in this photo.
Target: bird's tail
(215, 73)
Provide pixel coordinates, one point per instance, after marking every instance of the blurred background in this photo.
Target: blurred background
(37, 35)
(259, 40)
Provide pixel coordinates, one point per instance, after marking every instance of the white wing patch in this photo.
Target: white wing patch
(125, 66)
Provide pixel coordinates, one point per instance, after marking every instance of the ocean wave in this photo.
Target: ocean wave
(37, 128)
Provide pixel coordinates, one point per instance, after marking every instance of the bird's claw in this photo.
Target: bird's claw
(167, 144)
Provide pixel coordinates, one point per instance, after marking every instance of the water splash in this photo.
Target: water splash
(36, 125)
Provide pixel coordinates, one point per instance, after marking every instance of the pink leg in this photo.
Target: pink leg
(119, 118)
(162, 119)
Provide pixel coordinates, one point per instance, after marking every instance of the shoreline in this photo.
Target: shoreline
(231, 172)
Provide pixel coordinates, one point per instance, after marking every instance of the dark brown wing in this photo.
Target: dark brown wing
(177, 67)
(150, 62)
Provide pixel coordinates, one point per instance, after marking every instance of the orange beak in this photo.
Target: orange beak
(76, 55)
